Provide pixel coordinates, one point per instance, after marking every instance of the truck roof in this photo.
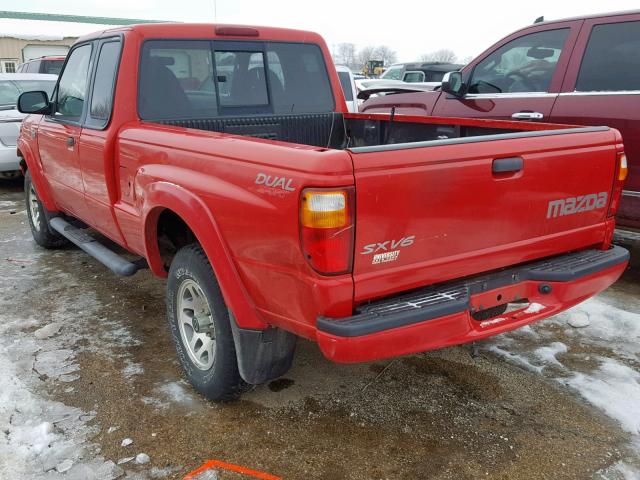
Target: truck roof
(595, 15)
(210, 30)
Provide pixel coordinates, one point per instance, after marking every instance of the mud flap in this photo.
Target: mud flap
(263, 355)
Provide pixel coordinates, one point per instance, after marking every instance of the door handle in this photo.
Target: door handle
(71, 141)
(527, 116)
(507, 165)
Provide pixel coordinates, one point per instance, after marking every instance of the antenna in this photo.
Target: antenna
(215, 11)
(539, 19)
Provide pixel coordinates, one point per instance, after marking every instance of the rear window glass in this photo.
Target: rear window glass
(345, 81)
(612, 59)
(53, 67)
(414, 77)
(434, 76)
(241, 78)
(201, 79)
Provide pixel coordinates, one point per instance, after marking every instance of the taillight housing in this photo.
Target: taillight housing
(618, 183)
(327, 229)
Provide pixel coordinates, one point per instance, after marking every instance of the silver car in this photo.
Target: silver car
(11, 86)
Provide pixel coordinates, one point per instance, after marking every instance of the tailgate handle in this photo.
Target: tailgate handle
(507, 165)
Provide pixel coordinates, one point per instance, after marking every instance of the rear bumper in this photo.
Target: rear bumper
(441, 316)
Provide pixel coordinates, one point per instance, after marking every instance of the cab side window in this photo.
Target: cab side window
(72, 87)
(612, 59)
(103, 85)
(525, 64)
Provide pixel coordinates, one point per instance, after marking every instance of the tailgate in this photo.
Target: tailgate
(434, 211)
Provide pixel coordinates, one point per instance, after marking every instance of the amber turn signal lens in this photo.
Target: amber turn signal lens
(324, 209)
(623, 170)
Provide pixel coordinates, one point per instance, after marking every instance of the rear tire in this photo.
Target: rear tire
(43, 234)
(200, 326)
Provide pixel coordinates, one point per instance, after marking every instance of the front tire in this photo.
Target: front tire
(43, 234)
(200, 326)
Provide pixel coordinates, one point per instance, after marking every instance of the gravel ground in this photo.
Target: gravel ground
(86, 362)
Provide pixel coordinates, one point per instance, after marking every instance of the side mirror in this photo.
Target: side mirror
(452, 83)
(34, 102)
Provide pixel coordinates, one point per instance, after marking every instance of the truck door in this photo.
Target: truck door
(602, 87)
(59, 132)
(96, 147)
(519, 79)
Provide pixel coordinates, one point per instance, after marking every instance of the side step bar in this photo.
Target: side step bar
(109, 258)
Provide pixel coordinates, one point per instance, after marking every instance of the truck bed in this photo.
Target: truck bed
(354, 130)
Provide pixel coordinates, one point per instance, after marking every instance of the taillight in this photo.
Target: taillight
(620, 176)
(623, 170)
(327, 229)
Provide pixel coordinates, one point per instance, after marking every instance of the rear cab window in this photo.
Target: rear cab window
(203, 79)
(611, 60)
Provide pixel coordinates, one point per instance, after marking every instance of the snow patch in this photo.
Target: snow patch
(548, 354)
(126, 442)
(619, 471)
(168, 393)
(579, 320)
(45, 30)
(608, 324)
(534, 308)
(47, 331)
(516, 359)
(55, 363)
(615, 389)
(132, 369)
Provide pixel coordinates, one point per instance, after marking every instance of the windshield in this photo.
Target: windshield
(10, 90)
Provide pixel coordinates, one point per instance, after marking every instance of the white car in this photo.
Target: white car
(348, 87)
(11, 86)
(421, 75)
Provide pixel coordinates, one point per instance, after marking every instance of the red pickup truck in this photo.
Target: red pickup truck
(579, 71)
(225, 159)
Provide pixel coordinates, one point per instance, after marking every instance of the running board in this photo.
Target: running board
(90, 245)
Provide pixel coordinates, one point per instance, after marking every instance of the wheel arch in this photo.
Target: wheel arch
(163, 200)
(29, 163)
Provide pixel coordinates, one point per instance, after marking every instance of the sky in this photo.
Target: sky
(411, 28)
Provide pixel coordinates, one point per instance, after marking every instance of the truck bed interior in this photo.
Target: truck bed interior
(338, 131)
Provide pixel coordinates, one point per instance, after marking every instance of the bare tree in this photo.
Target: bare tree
(346, 55)
(442, 55)
(386, 54)
(364, 55)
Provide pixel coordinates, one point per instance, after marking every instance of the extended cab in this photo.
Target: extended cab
(225, 159)
(579, 71)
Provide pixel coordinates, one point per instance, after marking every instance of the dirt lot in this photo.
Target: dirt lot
(86, 362)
